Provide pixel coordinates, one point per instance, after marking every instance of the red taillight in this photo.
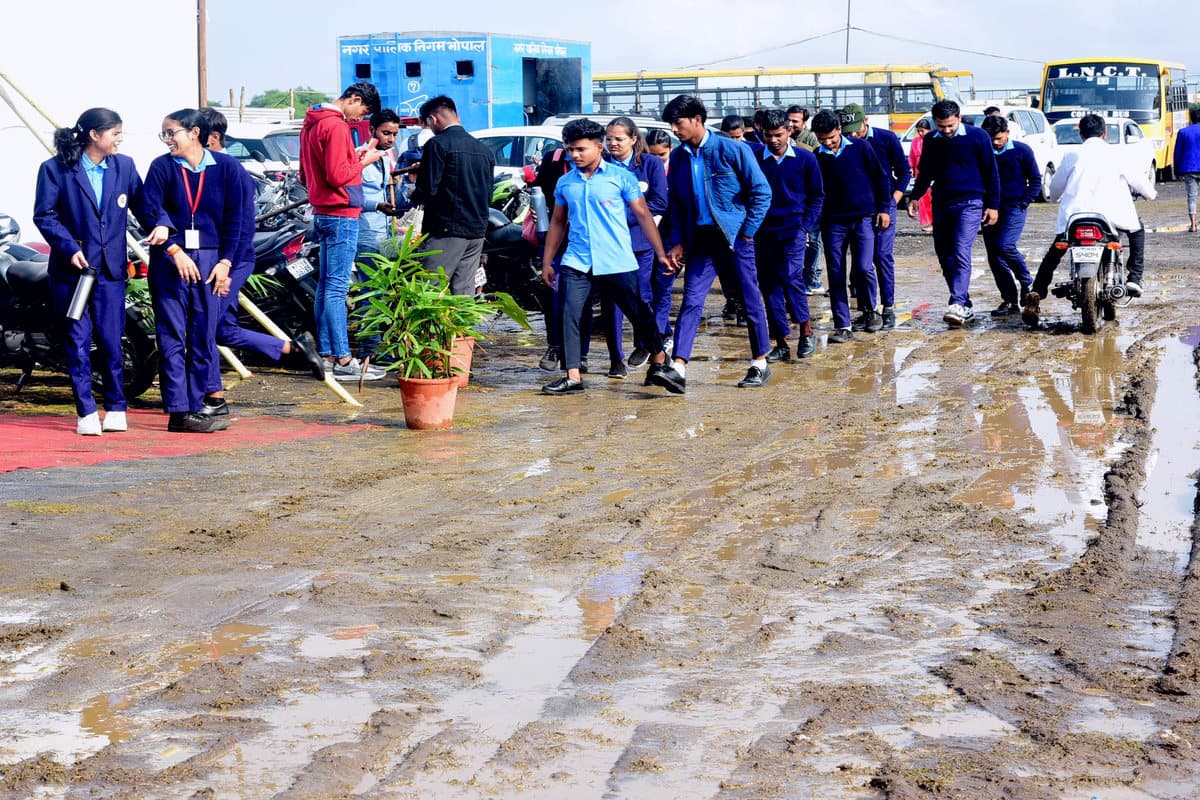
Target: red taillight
(291, 250)
(137, 269)
(1086, 234)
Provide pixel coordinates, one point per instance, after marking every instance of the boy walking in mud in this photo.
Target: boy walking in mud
(593, 197)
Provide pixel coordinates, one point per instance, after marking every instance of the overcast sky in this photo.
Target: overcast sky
(281, 43)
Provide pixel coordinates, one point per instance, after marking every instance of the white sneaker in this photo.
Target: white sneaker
(115, 421)
(353, 369)
(955, 315)
(968, 315)
(1133, 289)
(89, 425)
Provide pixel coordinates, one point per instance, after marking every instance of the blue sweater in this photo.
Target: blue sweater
(652, 175)
(1020, 178)
(855, 183)
(962, 167)
(891, 156)
(1187, 149)
(797, 191)
(738, 194)
(219, 216)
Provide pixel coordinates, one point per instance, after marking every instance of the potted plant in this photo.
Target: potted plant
(418, 320)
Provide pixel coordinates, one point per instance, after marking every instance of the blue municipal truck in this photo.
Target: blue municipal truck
(495, 79)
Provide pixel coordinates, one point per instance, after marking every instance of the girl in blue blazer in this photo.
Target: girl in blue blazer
(82, 203)
(627, 147)
(200, 194)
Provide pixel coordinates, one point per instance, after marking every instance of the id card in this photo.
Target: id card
(191, 239)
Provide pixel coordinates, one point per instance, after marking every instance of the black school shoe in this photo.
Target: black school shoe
(779, 352)
(888, 317)
(218, 408)
(806, 346)
(617, 369)
(841, 336)
(304, 355)
(1005, 309)
(181, 422)
(563, 385)
(666, 376)
(755, 377)
(639, 356)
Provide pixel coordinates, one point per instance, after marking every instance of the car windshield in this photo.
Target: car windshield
(244, 149)
(1069, 134)
(288, 142)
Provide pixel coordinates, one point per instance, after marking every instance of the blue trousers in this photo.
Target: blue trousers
(231, 334)
(858, 237)
(710, 257)
(185, 318)
(613, 317)
(780, 256)
(884, 263)
(955, 226)
(103, 320)
(1008, 265)
(339, 239)
(621, 289)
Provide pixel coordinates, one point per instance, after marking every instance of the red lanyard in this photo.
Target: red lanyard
(187, 187)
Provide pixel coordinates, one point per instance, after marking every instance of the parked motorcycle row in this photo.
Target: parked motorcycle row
(284, 284)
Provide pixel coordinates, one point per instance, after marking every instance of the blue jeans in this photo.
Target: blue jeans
(338, 237)
(368, 242)
(1008, 265)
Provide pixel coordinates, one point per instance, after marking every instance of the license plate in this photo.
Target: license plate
(480, 277)
(299, 268)
(1089, 254)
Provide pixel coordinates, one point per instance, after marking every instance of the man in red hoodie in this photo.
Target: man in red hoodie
(331, 169)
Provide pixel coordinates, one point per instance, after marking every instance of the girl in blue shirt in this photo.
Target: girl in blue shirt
(200, 193)
(83, 198)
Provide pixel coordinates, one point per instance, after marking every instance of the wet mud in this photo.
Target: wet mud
(929, 563)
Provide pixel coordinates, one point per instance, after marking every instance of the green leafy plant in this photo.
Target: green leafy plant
(416, 315)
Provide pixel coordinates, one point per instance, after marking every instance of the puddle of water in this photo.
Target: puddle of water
(1168, 496)
(539, 467)
(973, 723)
(913, 381)
(339, 642)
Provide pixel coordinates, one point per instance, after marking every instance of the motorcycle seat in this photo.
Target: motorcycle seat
(25, 277)
(267, 241)
(509, 235)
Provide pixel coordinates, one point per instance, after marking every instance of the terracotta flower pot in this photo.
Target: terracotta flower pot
(460, 359)
(428, 402)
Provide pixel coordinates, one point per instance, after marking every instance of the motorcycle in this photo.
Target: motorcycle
(31, 334)
(284, 282)
(1097, 284)
(513, 265)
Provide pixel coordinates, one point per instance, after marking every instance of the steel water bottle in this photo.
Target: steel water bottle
(83, 293)
(537, 199)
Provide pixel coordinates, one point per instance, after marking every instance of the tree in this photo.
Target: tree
(278, 98)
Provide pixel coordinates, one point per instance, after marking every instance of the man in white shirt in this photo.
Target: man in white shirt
(1095, 178)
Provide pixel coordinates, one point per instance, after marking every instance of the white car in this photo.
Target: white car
(1124, 133)
(1026, 125)
(518, 147)
(278, 145)
(644, 123)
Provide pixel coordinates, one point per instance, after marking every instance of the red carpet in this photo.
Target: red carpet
(51, 441)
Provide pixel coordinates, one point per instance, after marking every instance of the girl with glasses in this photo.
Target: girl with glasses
(199, 192)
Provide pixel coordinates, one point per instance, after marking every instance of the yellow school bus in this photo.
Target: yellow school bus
(1150, 92)
(892, 95)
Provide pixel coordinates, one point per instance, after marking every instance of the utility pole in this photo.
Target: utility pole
(847, 31)
(202, 50)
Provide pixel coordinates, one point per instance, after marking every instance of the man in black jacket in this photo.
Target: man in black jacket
(454, 184)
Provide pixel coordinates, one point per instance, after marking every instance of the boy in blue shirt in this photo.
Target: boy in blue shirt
(1020, 184)
(593, 197)
(796, 197)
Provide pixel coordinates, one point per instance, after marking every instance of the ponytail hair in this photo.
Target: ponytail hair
(69, 143)
(631, 130)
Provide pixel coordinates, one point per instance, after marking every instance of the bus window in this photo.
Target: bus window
(912, 100)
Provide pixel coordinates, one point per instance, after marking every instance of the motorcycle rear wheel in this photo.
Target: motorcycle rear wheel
(1088, 302)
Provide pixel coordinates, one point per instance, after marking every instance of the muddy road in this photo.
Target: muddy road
(929, 563)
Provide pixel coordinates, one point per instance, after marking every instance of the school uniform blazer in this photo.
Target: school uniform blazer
(67, 215)
(738, 192)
